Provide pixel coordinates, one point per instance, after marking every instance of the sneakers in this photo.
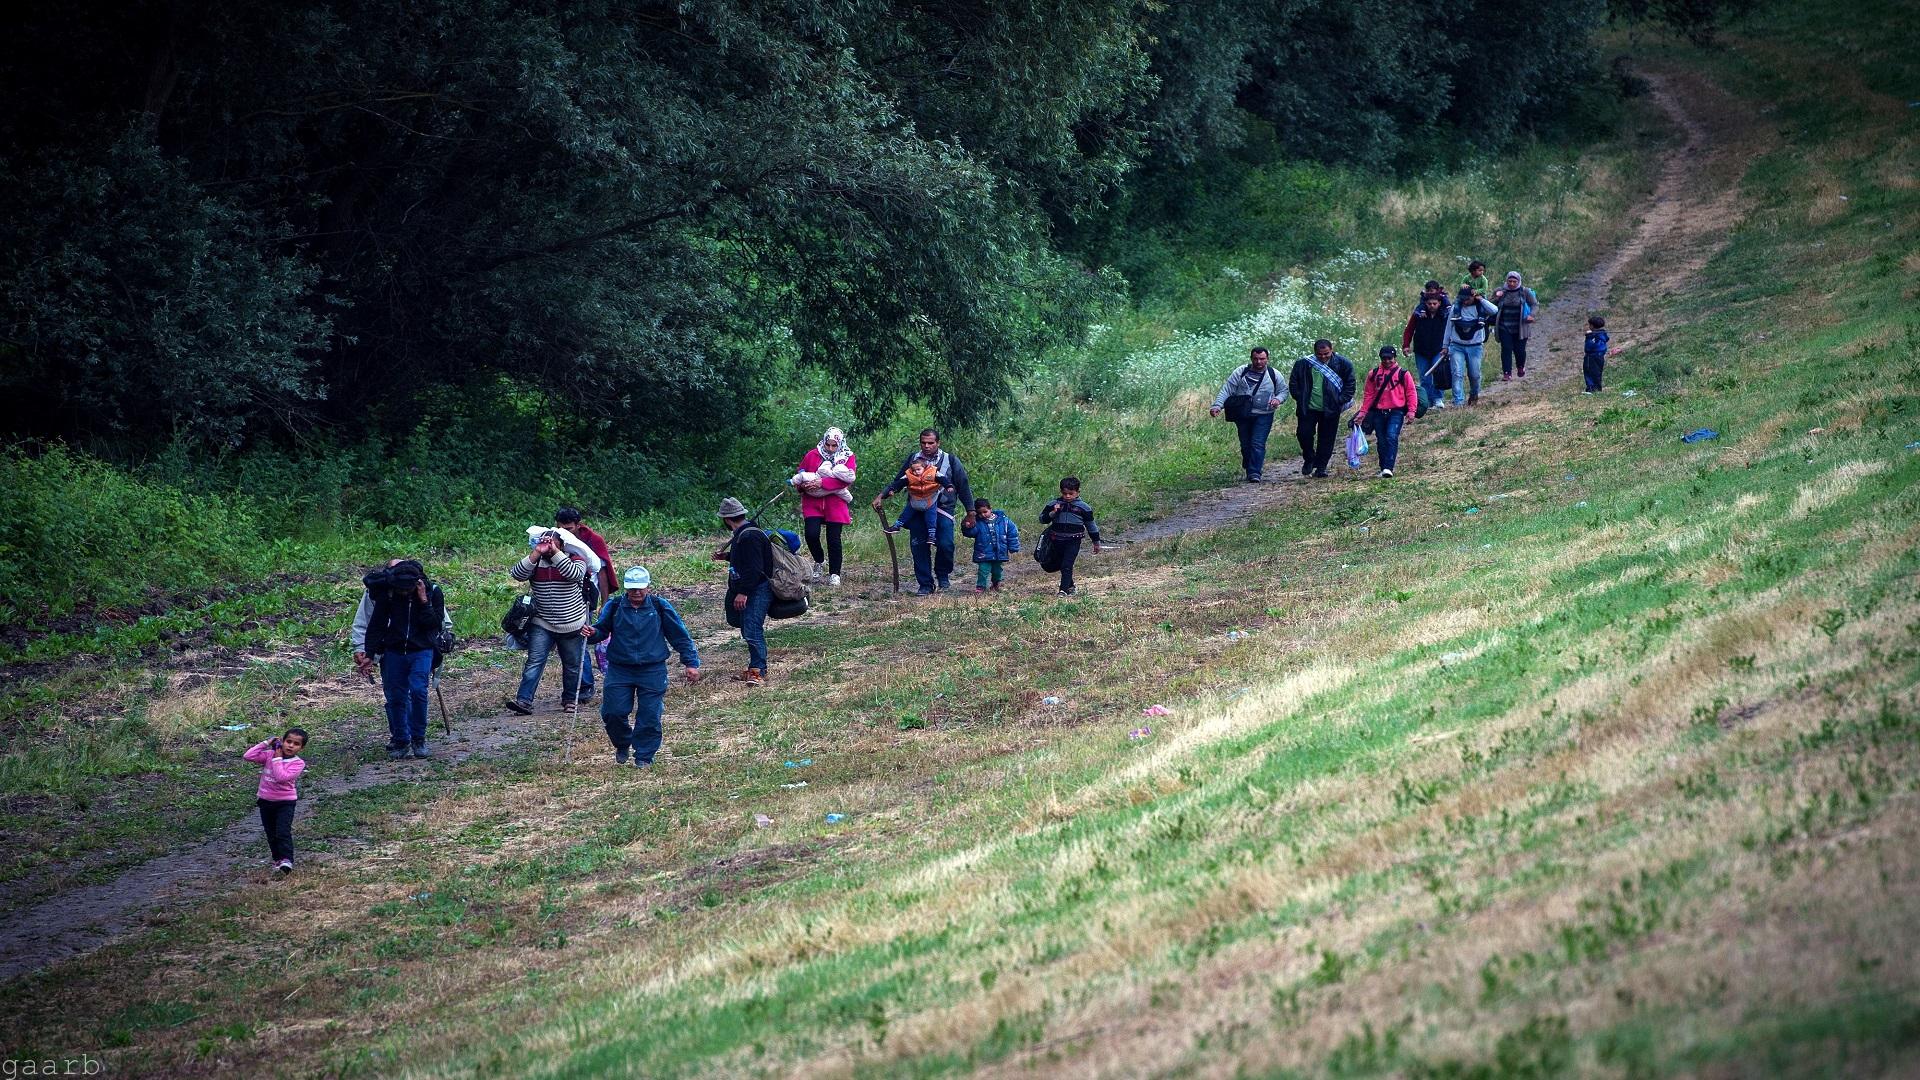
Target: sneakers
(524, 708)
(945, 585)
(833, 580)
(642, 766)
(923, 591)
(283, 868)
(1440, 404)
(1254, 478)
(819, 571)
(1506, 376)
(1066, 592)
(1522, 373)
(399, 753)
(1388, 473)
(979, 588)
(891, 529)
(420, 750)
(1306, 469)
(751, 676)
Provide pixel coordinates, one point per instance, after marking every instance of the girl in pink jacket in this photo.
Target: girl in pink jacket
(825, 482)
(282, 765)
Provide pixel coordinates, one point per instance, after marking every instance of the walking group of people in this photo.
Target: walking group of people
(1444, 339)
(579, 607)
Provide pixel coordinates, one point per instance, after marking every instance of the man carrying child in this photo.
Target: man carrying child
(931, 531)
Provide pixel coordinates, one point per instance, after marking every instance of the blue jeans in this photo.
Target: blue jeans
(753, 625)
(1594, 368)
(404, 678)
(541, 641)
(1253, 443)
(1386, 431)
(1466, 366)
(927, 564)
(628, 687)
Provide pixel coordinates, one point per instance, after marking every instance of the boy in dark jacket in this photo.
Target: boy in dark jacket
(749, 558)
(1068, 521)
(642, 627)
(995, 539)
(1593, 364)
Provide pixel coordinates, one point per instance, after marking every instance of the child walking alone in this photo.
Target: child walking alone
(995, 539)
(282, 766)
(1068, 521)
(1594, 363)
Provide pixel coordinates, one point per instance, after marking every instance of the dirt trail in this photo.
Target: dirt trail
(1682, 225)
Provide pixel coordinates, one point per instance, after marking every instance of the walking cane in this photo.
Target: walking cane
(586, 657)
(893, 553)
(446, 725)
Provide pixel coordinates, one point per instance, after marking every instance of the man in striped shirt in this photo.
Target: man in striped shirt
(559, 619)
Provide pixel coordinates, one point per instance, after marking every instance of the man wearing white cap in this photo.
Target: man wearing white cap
(642, 627)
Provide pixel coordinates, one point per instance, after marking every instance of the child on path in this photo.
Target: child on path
(1593, 363)
(995, 539)
(923, 497)
(1068, 521)
(282, 765)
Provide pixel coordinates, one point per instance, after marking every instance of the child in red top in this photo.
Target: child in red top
(1387, 403)
(277, 795)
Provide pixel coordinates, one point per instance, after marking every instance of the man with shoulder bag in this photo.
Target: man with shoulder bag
(1321, 386)
(1248, 398)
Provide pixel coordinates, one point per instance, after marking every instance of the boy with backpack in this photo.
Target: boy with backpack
(1069, 521)
(1593, 360)
(995, 539)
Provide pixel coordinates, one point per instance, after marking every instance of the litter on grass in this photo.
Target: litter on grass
(835, 819)
(1236, 635)
(1701, 435)
(1629, 393)
(235, 727)
(1581, 505)
(801, 764)
(792, 786)
(1155, 710)
(1473, 509)
(1049, 700)
(1913, 446)
(761, 821)
(1139, 733)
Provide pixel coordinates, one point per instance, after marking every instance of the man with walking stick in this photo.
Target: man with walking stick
(932, 544)
(399, 616)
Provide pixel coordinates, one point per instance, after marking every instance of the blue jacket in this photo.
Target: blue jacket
(1596, 345)
(641, 635)
(993, 541)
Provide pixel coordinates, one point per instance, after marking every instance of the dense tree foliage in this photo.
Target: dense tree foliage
(633, 218)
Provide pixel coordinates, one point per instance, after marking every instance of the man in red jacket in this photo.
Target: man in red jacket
(1387, 404)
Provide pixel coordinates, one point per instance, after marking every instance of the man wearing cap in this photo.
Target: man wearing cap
(749, 557)
(642, 627)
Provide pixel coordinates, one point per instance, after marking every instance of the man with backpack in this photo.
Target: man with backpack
(400, 615)
(642, 627)
(1425, 339)
(1466, 337)
(1248, 398)
(559, 615)
(933, 546)
(1321, 387)
(749, 558)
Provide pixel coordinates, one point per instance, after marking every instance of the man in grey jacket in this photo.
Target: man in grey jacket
(1260, 385)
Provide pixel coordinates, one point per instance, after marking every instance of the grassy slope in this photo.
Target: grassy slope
(1616, 773)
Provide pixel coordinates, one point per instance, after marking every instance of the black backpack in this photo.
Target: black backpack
(1466, 328)
(397, 583)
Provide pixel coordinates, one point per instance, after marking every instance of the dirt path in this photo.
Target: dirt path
(1684, 223)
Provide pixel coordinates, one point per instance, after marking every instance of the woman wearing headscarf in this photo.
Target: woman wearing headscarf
(825, 483)
(1517, 303)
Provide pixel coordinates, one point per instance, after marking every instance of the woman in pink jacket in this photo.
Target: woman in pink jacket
(277, 796)
(825, 483)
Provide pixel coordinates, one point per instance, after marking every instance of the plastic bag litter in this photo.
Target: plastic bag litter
(761, 821)
(835, 819)
(801, 764)
(1629, 393)
(1701, 435)
(1236, 635)
(1139, 733)
(1049, 700)
(1156, 710)
(790, 787)
(1356, 448)
(235, 727)
(1913, 446)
